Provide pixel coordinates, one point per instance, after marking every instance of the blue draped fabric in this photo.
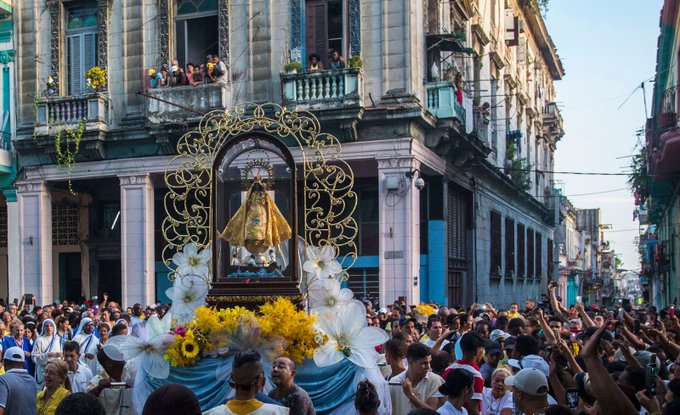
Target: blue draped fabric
(328, 387)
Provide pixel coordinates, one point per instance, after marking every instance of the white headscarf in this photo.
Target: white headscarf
(84, 322)
(45, 323)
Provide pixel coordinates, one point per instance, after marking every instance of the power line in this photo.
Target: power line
(582, 173)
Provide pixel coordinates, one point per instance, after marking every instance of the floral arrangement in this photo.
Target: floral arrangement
(96, 78)
(278, 324)
(423, 311)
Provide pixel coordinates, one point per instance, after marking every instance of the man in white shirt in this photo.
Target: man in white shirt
(78, 373)
(434, 330)
(417, 387)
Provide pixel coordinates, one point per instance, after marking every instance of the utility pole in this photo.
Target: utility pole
(556, 234)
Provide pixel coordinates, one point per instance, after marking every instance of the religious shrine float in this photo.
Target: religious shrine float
(259, 236)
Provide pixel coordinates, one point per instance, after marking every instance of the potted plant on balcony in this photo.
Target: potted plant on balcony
(96, 79)
(355, 62)
(292, 67)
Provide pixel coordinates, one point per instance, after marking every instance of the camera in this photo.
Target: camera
(419, 183)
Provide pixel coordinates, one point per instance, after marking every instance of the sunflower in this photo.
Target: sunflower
(190, 348)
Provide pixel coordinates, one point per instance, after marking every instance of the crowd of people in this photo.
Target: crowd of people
(213, 70)
(543, 358)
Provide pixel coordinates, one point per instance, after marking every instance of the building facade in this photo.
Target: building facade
(656, 171)
(459, 94)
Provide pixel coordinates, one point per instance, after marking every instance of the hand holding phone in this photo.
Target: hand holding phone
(571, 397)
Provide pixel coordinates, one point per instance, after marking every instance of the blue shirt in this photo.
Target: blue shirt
(9, 341)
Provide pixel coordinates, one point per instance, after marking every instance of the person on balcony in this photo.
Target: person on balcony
(190, 73)
(219, 69)
(154, 78)
(337, 62)
(209, 67)
(315, 64)
(459, 84)
(178, 78)
(165, 79)
(197, 77)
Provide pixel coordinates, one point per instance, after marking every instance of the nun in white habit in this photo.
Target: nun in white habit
(88, 344)
(46, 347)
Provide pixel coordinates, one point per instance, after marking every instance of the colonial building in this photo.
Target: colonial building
(655, 176)
(454, 95)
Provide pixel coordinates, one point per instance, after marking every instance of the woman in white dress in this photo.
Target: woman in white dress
(46, 347)
(458, 389)
(497, 400)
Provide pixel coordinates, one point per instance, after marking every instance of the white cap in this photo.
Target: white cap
(15, 354)
(531, 381)
(532, 361)
(113, 353)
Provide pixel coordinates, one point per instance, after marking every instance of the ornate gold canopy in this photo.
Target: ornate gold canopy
(328, 200)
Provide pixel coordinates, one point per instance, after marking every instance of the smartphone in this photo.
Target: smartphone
(118, 385)
(650, 375)
(617, 330)
(637, 327)
(671, 312)
(28, 299)
(579, 299)
(571, 397)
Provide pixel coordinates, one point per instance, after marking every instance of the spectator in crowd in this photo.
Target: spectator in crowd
(79, 375)
(529, 390)
(417, 387)
(458, 390)
(286, 391)
(57, 387)
(155, 78)
(497, 399)
(112, 384)
(366, 399)
(17, 387)
(80, 403)
(247, 379)
(219, 69)
(472, 348)
(434, 330)
(88, 342)
(197, 76)
(172, 399)
(18, 339)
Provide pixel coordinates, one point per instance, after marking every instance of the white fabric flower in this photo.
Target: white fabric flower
(187, 294)
(190, 261)
(326, 296)
(147, 345)
(321, 262)
(349, 337)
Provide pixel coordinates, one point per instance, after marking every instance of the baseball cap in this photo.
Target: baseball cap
(15, 354)
(531, 361)
(498, 334)
(491, 347)
(529, 380)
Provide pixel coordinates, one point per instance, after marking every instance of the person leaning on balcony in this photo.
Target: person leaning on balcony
(190, 73)
(337, 62)
(459, 84)
(179, 78)
(154, 78)
(197, 77)
(315, 64)
(165, 79)
(219, 69)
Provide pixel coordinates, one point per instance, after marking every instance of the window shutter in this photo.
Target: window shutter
(89, 52)
(75, 82)
(317, 30)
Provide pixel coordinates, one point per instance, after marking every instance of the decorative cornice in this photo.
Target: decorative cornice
(400, 163)
(135, 180)
(31, 187)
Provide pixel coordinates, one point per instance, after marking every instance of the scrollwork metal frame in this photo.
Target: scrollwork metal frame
(327, 179)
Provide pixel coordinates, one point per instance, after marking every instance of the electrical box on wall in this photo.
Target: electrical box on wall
(392, 182)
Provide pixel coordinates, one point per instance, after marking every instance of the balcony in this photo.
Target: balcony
(553, 125)
(442, 103)
(185, 104)
(91, 112)
(335, 97)
(324, 90)
(5, 152)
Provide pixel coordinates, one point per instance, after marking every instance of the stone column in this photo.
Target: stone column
(13, 244)
(35, 242)
(137, 240)
(399, 233)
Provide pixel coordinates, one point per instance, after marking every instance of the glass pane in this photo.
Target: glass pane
(81, 17)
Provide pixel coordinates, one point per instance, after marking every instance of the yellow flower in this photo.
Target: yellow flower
(281, 319)
(206, 320)
(425, 310)
(189, 348)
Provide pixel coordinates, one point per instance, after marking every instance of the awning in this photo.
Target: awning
(5, 7)
(449, 42)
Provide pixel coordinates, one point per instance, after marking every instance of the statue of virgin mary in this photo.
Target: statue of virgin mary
(258, 224)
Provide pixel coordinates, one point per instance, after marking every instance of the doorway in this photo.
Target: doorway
(109, 279)
(70, 270)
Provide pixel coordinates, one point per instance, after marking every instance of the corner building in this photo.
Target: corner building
(458, 93)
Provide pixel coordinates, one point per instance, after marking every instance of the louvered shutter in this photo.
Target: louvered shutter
(75, 71)
(89, 52)
(317, 30)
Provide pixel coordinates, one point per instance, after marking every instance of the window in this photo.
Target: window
(81, 45)
(368, 220)
(326, 27)
(530, 253)
(521, 243)
(364, 282)
(509, 246)
(494, 114)
(550, 258)
(539, 255)
(196, 27)
(495, 254)
(65, 224)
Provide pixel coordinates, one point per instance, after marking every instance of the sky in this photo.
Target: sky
(608, 48)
